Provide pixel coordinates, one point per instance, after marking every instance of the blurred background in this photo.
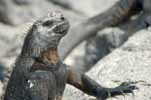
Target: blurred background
(16, 17)
(129, 61)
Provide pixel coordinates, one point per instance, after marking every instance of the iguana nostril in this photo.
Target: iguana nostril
(62, 18)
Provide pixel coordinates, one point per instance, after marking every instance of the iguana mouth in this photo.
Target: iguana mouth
(62, 28)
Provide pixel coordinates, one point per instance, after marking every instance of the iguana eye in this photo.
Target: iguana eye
(48, 23)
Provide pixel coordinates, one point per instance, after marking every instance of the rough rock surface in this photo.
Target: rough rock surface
(130, 62)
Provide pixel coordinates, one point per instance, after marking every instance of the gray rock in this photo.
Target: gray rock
(86, 7)
(131, 62)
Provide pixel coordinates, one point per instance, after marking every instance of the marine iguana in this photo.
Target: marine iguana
(39, 74)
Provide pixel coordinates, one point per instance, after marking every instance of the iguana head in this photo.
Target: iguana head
(51, 27)
(46, 33)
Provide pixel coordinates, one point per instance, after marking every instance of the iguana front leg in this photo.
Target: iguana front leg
(89, 86)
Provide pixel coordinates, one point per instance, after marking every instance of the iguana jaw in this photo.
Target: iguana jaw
(51, 56)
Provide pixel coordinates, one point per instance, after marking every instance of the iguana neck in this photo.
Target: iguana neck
(50, 56)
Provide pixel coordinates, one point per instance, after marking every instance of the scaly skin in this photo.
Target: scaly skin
(40, 75)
